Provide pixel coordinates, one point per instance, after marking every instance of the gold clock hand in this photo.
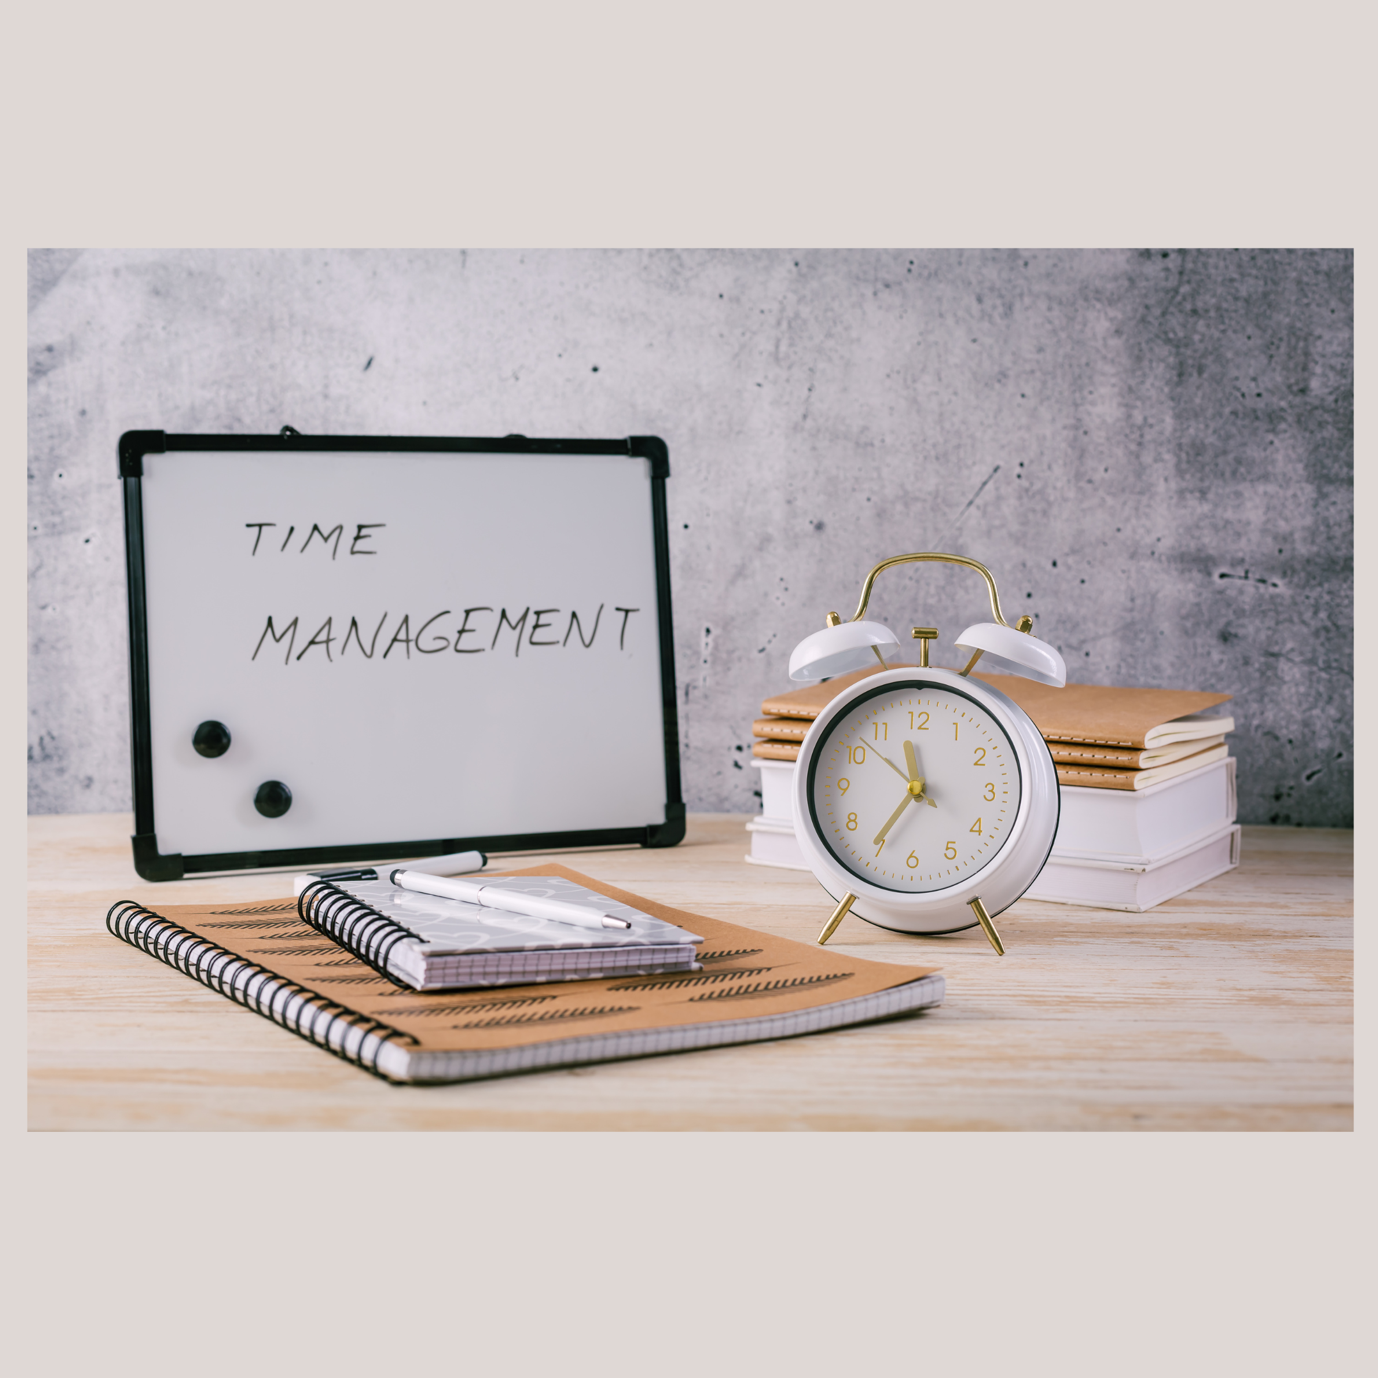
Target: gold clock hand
(911, 761)
(890, 822)
(892, 765)
(914, 777)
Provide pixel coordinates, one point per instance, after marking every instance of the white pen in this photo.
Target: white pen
(448, 865)
(495, 897)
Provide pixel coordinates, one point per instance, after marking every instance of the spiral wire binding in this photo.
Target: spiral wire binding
(214, 966)
(357, 927)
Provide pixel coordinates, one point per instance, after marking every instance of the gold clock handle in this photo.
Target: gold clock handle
(931, 555)
(839, 914)
(984, 920)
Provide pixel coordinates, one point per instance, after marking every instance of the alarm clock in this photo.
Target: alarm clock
(925, 801)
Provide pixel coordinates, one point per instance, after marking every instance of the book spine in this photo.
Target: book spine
(355, 1037)
(357, 927)
(775, 751)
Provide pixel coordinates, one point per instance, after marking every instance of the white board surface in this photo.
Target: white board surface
(461, 645)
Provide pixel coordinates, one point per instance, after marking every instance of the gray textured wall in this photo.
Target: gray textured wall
(1151, 449)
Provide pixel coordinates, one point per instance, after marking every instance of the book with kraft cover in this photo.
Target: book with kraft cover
(752, 986)
(1100, 736)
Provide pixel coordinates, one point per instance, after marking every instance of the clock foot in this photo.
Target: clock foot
(839, 914)
(987, 926)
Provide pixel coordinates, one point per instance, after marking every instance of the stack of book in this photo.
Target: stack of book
(1148, 787)
(420, 986)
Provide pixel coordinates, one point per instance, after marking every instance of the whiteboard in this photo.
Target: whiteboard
(446, 647)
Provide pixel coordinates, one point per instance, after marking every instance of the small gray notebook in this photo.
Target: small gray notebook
(430, 943)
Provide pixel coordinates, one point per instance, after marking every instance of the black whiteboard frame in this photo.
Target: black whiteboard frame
(152, 864)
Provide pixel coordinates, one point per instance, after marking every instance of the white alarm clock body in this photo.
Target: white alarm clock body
(979, 825)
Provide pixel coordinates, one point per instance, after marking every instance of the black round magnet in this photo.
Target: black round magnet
(273, 799)
(211, 738)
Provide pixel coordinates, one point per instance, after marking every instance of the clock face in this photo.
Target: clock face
(914, 788)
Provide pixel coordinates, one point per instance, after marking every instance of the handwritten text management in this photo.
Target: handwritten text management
(473, 631)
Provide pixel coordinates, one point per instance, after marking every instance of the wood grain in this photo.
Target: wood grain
(1229, 1007)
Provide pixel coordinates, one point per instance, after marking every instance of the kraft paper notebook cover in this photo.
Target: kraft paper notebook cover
(1097, 778)
(1119, 758)
(1103, 715)
(753, 986)
(781, 729)
(810, 702)
(793, 730)
(1081, 765)
(775, 751)
(1096, 714)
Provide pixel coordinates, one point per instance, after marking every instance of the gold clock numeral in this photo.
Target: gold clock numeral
(954, 732)
(851, 822)
(878, 849)
(990, 791)
(844, 784)
(950, 851)
(976, 828)
(980, 756)
(856, 755)
(912, 861)
(921, 725)
(878, 727)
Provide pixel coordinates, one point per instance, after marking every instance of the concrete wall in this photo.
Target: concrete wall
(1151, 449)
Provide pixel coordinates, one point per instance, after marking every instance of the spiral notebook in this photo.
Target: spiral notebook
(431, 943)
(750, 986)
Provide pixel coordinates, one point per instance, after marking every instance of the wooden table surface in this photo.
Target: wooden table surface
(1227, 1008)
